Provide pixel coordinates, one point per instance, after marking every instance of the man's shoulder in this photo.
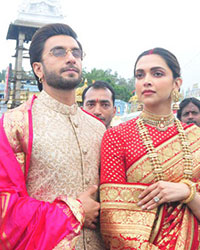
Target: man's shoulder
(92, 121)
(18, 113)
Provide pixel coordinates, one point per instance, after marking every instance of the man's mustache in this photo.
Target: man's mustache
(69, 67)
(190, 122)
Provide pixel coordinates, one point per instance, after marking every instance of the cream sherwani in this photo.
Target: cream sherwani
(65, 156)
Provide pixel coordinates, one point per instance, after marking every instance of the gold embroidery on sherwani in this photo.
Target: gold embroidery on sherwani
(76, 207)
(16, 126)
(65, 156)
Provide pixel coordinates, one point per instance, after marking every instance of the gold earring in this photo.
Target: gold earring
(139, 106)
(175, 95)
(40, 80)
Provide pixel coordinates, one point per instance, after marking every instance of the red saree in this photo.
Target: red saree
(26, 223)
(125, 172)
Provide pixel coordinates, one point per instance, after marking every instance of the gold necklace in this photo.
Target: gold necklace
(161, 122)
(153, 155)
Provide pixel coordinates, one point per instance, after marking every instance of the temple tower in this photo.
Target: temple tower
(32, 14)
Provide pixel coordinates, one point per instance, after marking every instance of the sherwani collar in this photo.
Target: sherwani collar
(55, 105)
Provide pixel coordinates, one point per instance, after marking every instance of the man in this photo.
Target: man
(189, 111)
(49, 155)
(99, 100)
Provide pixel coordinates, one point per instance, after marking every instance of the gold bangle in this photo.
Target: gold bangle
(192, 187)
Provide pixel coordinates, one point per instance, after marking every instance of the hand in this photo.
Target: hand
(165, 192)
(90, 207)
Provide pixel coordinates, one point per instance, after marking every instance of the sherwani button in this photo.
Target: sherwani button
(85, 151)
(87, 181)
(88, 239)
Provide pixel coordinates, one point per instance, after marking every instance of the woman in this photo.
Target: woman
(151, 167)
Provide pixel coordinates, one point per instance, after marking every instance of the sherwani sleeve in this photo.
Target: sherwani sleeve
(27, 223)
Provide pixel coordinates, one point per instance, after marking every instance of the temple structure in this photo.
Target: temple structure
(32, 14)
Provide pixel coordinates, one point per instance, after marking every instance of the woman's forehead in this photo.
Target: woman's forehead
(151, 61)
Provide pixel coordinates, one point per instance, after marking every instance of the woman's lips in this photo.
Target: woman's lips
(148, 92)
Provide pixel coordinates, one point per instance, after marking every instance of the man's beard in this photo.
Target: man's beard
(59, 82)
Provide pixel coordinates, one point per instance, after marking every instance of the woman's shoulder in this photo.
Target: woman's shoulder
(123, 128)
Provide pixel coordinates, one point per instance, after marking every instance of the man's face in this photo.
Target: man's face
(99, 103)
(56, 70)
(191, 114)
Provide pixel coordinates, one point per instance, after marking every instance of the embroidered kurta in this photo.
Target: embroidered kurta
(126, 171)
(64, 160)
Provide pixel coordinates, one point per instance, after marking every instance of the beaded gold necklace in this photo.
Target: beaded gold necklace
(160, 122)
(153, 156)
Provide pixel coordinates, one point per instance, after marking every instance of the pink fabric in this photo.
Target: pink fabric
(26, 223)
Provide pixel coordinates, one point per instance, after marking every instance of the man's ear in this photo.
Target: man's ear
(114, 111)
(178, 82)
(38, 69)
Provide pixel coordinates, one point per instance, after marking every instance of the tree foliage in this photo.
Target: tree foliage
(123, 88)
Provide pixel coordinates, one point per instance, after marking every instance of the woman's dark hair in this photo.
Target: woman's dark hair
(40, 37)
(169, 58)
(185, 102)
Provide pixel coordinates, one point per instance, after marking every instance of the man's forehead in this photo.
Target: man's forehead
(191, 106)
(101, 94)
(94, 100)
(61, 40)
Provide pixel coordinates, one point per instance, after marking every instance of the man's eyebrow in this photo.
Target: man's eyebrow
(58, 47)
(91, 100)
(104, 101)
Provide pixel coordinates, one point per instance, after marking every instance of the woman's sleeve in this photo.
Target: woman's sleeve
(121, 224)
(112, 158)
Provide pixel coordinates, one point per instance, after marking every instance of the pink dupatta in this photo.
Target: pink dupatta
(27, 223)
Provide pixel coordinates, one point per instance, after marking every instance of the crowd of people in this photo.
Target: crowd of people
(70, 181)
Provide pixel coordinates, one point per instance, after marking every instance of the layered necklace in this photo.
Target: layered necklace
(162, 123)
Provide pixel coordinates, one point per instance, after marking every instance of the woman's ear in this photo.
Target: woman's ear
(177, 83)
(38, 69)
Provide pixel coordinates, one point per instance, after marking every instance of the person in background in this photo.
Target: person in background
(189, 111)
(150, 167)
(50, 154)
(99, 100)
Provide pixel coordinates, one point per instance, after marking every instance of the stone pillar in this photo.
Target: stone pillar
(18, 68)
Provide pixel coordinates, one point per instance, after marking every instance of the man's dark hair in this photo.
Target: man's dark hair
(40, 37)
(185, 102)
(99, 85)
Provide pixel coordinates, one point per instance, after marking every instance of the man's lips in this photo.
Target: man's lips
(70, 69)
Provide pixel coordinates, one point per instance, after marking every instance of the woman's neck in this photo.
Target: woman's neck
(159, 110)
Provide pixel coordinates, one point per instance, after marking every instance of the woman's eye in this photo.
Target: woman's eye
(158, 74)
(139, 75)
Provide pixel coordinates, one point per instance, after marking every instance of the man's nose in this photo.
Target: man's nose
(70, 58)
(97, 110)
(190, 116)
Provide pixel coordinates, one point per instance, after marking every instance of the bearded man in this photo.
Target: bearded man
(49, 155)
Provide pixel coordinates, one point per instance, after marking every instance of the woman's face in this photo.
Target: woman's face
(155, 82)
